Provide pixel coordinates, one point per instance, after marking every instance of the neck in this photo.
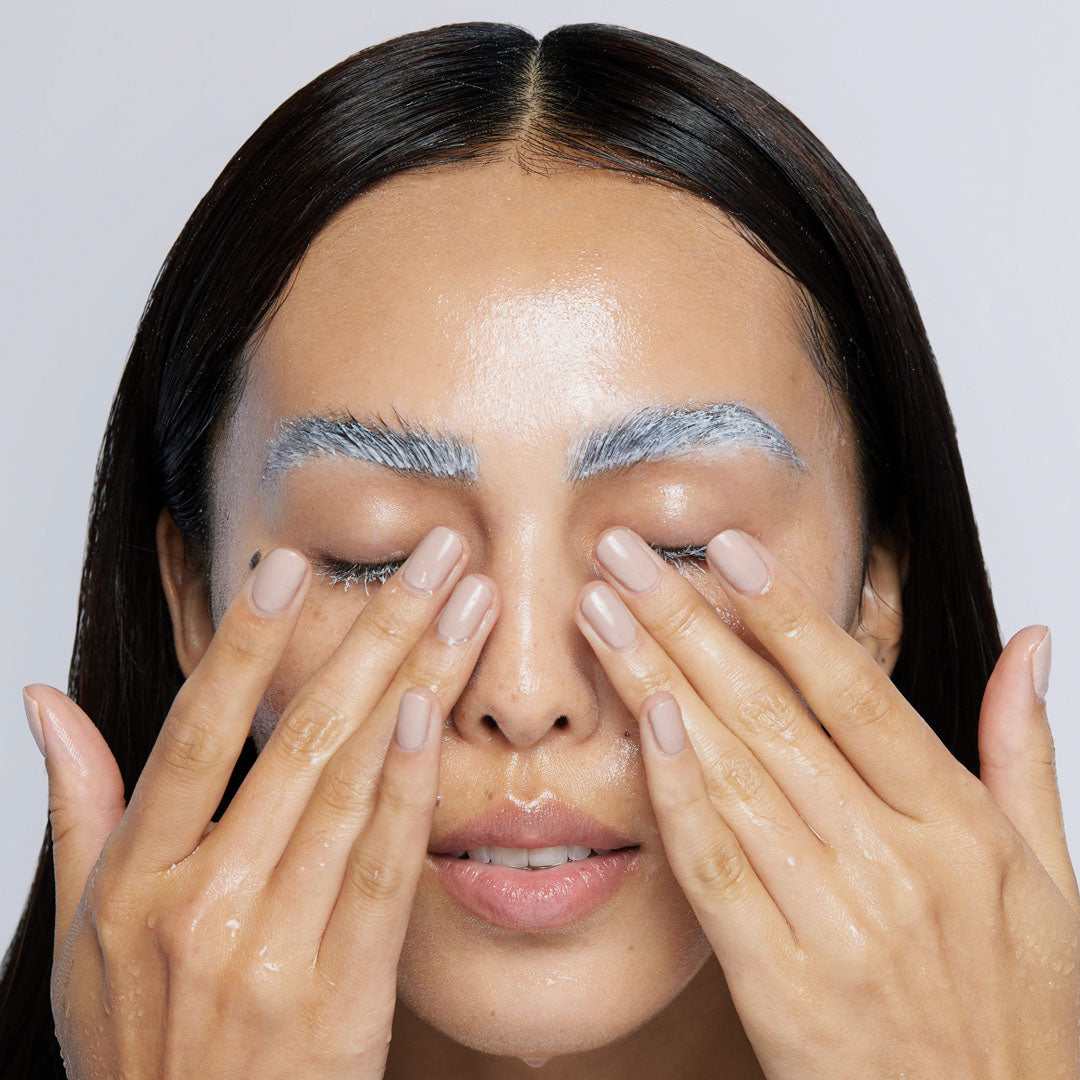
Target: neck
(697, 1036)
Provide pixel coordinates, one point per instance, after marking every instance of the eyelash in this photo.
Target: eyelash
(346, 573)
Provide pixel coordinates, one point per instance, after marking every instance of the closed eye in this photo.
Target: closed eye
(694, 553)
(347, 574)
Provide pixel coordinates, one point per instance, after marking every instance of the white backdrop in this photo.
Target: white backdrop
(956, 117)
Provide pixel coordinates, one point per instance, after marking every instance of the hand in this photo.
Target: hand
(877, 910)
(267, 947)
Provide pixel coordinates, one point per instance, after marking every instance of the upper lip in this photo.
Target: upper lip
(549, 823)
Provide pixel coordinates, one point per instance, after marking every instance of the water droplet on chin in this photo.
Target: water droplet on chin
(535, 1062)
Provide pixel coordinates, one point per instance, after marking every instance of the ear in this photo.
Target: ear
(187, 594)
(879, 621)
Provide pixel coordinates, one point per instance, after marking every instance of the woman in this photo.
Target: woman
(470, 322)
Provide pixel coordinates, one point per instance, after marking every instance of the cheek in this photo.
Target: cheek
(323, 624)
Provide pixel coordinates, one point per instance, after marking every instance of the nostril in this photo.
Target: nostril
(561, 722)
(489, 722)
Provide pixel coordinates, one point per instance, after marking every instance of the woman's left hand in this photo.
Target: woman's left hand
(878, 911)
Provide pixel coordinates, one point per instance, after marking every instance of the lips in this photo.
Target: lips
(547, 824)
(533, 899)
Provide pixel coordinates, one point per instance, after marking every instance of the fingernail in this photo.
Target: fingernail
(33, 718)
(625, 556)
(608, 616)
(277, 581)
(667, 726)
(730, 552)
(430, 564)
(413, 720)
(1040, 667)
(463, 613)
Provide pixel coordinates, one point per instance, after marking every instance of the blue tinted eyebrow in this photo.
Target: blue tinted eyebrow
(659, 432)
(652, 433)
(410, 449)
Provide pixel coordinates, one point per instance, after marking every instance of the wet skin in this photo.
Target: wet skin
(518, 310)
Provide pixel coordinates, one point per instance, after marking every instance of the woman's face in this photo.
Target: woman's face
(519, 311)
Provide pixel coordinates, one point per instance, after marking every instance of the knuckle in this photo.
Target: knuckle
(345, 790)
(864, 706)
(722, 871)
(109, 910)
(372, 877)
(305, 732)
(790, 620)
(244, 640)
(404, 800)
(383, 622)
(193, 743)
(767, 709)
(736, 775)
(426, 670)
(681, 620)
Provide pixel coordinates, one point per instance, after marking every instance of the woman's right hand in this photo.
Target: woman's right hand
(267, 947)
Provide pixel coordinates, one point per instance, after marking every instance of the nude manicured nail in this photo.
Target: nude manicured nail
(608, 616)
(731, 553)
(626, 558)
(430, 564)
(277, 581)
(33, 718)
(1040, 667)
(465, 610)
(667, 725)
(413, 720)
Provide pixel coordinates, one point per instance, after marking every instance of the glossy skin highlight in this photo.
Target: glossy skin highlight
(519, 309)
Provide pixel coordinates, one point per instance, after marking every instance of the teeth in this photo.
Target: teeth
(531, 858)
(509, 856)
(547, 856)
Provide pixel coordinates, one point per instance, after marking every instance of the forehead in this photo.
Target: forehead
(517, 306)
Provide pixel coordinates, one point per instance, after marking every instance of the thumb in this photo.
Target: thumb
(1016, 752)
(86, 792)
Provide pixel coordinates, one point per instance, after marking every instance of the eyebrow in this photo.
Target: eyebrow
(652, 433)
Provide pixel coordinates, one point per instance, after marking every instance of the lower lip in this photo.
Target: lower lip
(535, 899)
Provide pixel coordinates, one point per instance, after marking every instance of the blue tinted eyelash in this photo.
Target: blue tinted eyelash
(346, 574)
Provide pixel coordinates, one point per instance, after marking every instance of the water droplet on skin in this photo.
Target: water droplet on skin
(151, 922)
(535, 1062)
(790, 860)
(232, 925)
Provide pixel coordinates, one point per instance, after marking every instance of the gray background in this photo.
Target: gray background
(956, 118)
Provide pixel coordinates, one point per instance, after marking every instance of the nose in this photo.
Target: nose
(536, 678)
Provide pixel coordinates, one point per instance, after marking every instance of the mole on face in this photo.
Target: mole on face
(255, 560)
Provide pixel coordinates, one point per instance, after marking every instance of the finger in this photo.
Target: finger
(86, 793)
(766, 825)
(1016, 753)
(747, 693)
(314, 861)
(338, 698)
(363, 937)
(193, 757)
(741, 919)
(895, 751)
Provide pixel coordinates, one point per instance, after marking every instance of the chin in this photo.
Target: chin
(544, 994)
